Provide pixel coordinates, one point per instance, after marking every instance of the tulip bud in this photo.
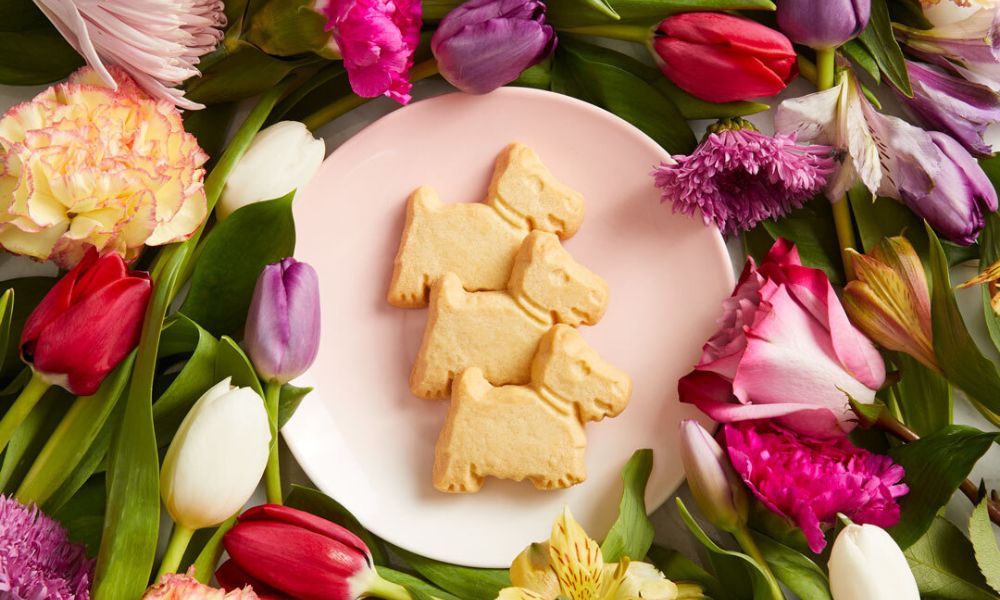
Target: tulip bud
(714, 484)
(281, 159)
(866, 564)
(822, 24)
(282, 330)
(217, 457)
(484, 44)
(531, 570)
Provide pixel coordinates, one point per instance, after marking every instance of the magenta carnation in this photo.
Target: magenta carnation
(37, 560)
(377, 39)
(809, 481)
(739, 177)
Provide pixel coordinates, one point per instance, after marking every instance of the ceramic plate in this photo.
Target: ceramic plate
(364, 440)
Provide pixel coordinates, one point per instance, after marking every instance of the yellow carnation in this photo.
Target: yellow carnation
(82, 165)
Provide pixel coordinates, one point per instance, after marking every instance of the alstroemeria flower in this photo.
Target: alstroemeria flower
(968, 44)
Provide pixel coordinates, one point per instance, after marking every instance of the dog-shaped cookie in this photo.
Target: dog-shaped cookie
(478, 241)
(499, 331)
(533, 432)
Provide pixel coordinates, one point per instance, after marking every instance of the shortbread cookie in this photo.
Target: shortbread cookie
(533, 432)
(499, 331)
(478, 241)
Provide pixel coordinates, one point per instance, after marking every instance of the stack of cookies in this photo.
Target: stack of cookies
(504, 301)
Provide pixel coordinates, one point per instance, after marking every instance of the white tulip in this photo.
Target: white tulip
(217, 457)
(866, 564)
(282, 158)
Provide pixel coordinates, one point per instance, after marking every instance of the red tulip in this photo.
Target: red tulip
(87, 323)
(721, 58)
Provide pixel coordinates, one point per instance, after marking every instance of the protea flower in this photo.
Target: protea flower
(157, 42)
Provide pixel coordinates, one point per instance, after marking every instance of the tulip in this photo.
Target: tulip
(214, 463)
(281, 159)
(88, 323)
(720, 58)
(714, 484)
(822, 24)
(866, 564)
(282, 551)
(484, 44)
(889, 300)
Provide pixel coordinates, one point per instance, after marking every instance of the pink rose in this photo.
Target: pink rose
(786, 350)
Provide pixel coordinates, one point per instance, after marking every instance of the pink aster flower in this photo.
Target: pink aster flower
(157, 42)
(376, 39)
(37, 560)
(739, 177)
(809, 481)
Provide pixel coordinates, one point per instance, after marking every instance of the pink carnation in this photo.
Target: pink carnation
(809, 481)
(377, 39)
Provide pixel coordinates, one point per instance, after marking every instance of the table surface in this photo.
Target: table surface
(670, 531)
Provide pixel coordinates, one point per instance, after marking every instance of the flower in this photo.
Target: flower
(37, 559)
(719, 57)
(377, 39)
(484, 44)
(88, 323)
(952, 105)
(889, 300)
(283, 325)
(785, 349)
(866, 563)
(216, 458)
(281, 159)
(716, 488)
(185, 587)
(809, 481)
(963, 39)
(157, 43)
(822, 23)
(82, 165)
(738, 177)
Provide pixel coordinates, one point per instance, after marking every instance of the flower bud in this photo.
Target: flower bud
(484, 44)
(866, 564)
(217, 457)
(822, 23)
(288, 28)
(714, 484)
(643, 580)
(282, 158)
(283, 324)
(531, 570)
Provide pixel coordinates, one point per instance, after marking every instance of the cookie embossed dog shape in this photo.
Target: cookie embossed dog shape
(533, 432)
(499, 331)
(478, 241)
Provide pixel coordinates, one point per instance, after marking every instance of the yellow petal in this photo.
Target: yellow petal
(514, 593)
(531, 570)
(576, 560)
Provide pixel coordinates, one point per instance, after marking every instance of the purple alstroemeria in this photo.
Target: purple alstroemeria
(283, 325)
(484, 44)
(822, 23)
(953, 105)
(969, 45)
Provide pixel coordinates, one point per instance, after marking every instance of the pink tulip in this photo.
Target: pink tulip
(786, 350)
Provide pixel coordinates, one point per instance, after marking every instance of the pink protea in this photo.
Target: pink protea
(37, 560)
(377, 39)
(739, 177)
(809, 481)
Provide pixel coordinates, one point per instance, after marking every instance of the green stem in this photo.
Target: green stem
(180, 537)
(825, 62)
(380, 588)
(272, 475)
(204, 565)
(746, 541)
(18, 412)
(629, 33)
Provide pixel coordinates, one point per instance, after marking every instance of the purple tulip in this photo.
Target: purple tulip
(484, 44)
(950, 104)
(282, 331)
(822, 23)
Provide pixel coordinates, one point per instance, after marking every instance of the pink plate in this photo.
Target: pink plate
(364, 440)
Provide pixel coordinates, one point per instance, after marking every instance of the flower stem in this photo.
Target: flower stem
(825, 62)
(272, 474)
(746, 541)
(629, 33)
(180, 537)
(19, 411)
(380, 588)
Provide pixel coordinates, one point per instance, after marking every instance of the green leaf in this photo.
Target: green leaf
(601, 76)
(31, 435)
(20, 15)
(678, 567)
(288, 402)
(231, 259)
(989, 250)
(811, 228)
(570, 13)
(465, 582)
(860, 56)
(653, 11)
(794, 569)
(935, 466)
(182, 335)
(632, 533)
(238, 70)
(6, 316)
(208, 558)
(940, 564)
(696, 108)
(910, 13)
(211, 126)
(35, 56)
(83, 518)
(230, 361)
(923, 397)
(879, 40)
(984, 544)
(28, 292)
(317, 503)
(420, 589)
